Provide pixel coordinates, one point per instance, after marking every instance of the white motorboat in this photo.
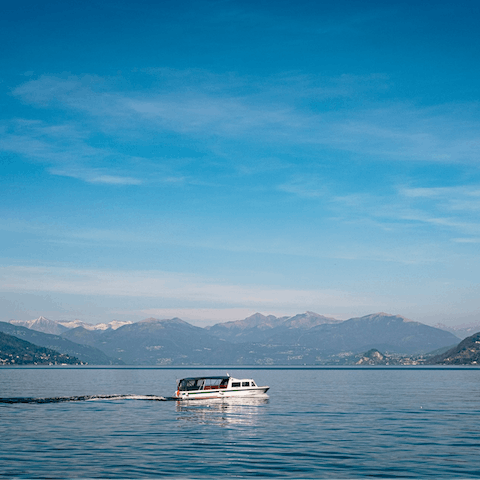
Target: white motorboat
(200, 388)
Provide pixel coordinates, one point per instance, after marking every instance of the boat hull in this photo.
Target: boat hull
(224, 393)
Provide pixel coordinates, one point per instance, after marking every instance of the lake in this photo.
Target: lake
(316, 423)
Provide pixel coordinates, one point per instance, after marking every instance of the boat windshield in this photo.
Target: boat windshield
(189, 384)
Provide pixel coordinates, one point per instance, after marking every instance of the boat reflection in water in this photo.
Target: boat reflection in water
(223, 411)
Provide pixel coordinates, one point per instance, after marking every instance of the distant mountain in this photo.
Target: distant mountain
(249, 329)
(41, 324)
(461, 331)
(294, 328)
(14, 351)
(114, 324)
(467, 352)
(57, 327)
(259, 328)
(84, 353)
(158, 342)
(390, 333)
(308, 320)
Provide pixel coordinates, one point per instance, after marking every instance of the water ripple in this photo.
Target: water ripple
(348, 424)
(80, 398)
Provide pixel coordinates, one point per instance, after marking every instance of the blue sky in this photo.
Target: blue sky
(211, 159)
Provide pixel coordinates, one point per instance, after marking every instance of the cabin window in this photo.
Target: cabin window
(235, 384)
(215, 383)
(253, 384)
(191, 384)
(245, 384)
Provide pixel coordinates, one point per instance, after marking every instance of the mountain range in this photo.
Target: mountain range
(45, 325)
(84, 353)
(307, 338)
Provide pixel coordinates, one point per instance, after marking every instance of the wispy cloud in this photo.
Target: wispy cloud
(95, 176)
(466, 240)
(304, 187)
(449, 209)
(65, 151)
(183, 288)
(456, 199)
(213, 107)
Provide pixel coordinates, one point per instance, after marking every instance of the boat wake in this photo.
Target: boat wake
(82, 398)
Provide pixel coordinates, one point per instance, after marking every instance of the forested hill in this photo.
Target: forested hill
(14, 351)
(85, 353)
(467, 352)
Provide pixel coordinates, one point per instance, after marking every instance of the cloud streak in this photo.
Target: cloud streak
(95, 176)
(451, 209)
(214, 107)
(65, 151)
(178, 287)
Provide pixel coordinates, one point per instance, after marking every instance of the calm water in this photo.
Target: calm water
(324, 423)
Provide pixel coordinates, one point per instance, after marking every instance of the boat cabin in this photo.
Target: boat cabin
(213, 383)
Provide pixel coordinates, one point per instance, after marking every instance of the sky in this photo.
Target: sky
(212, 159)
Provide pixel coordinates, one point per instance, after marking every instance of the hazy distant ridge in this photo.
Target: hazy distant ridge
(306, 338)
(461, 331)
